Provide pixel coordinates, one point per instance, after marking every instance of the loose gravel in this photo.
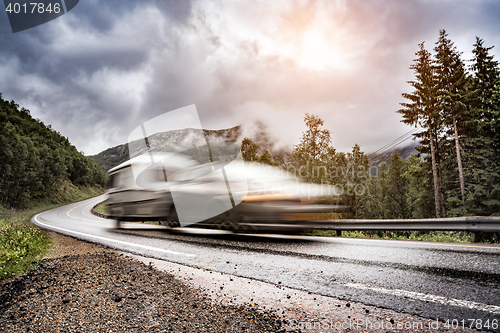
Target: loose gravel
(84, 287)
(299, 310)
(88, 288)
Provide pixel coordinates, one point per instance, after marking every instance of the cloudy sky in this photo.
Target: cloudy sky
(105, 67)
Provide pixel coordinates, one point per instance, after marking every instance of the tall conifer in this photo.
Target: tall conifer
(452, 94)
(421, 110)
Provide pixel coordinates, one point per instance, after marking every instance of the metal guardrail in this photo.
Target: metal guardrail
(469, 223)
(473, 224)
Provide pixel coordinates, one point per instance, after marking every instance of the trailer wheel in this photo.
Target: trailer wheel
(172, 219)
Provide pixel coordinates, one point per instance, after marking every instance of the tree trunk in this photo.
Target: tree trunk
(440, 178)
(434, 174)
(356, 198)
(441, 189)
(459, 160)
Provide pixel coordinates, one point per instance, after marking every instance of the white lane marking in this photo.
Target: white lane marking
(114, 240)
(430, 298)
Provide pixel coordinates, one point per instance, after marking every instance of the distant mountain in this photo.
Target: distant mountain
(385, 156)
(224, 144)
(189, 141)
(111, 157)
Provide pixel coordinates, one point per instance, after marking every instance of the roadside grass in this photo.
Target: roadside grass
(433, 236)
(20, 247)
(102, 208)
(23, 244)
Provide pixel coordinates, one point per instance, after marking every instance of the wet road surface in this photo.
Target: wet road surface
(448, 281)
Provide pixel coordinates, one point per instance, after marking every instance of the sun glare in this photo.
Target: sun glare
(318, 50)
(312, 49)
(313, 37)
(316, 46)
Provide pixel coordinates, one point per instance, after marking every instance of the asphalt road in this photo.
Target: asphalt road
(449, 281)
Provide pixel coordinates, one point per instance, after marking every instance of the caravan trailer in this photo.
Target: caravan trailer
(137, 188)
(238, 196)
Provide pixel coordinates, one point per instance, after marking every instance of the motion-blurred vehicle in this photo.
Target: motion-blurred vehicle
(137, 188)
(238, 196)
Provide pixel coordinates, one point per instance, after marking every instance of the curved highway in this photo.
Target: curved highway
(434, 280)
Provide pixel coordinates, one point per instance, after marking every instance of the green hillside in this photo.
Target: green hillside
(35, 159)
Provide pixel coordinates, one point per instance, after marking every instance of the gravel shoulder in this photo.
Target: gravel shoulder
(86, 287)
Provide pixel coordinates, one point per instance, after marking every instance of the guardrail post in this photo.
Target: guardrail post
(475, 237)
(339, 233)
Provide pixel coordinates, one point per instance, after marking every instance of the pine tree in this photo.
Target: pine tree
(397, 188)
(422, 110)
(483, 144)
(370, 204)
(419, 187)
(357, 174)
(452, 94)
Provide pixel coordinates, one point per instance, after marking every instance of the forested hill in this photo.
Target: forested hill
(35, 159)
(111, 157)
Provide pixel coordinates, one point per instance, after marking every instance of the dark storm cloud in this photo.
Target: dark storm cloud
(97, 18)
(101, 70)
(57, 69)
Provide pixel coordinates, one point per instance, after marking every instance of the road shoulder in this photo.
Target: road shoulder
(82, 286)
(86, 286)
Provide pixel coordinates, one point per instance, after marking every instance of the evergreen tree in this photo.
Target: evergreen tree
(397, 187)
(483, 148)
(422, 111)
(371, 203)
(452, 94)
(419, 187)
(356, 176)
